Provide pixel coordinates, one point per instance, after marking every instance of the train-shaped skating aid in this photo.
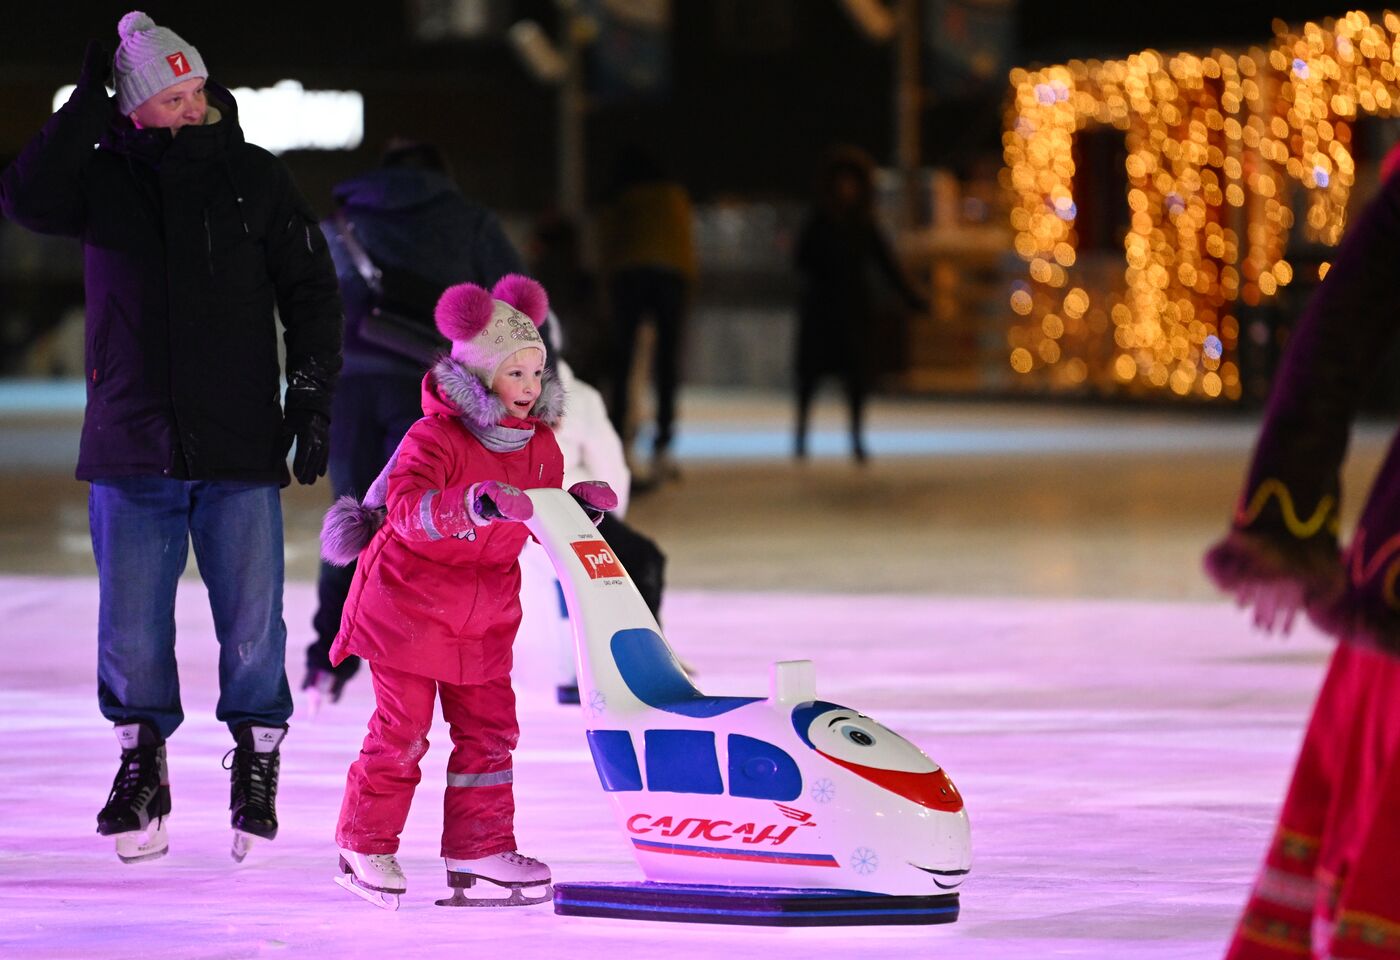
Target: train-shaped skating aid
(784, 810)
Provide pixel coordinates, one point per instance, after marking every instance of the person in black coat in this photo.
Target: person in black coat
(195, 241)
(411, 230)
(839, 249)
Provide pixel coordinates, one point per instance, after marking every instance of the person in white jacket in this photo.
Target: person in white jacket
(591, 447)
(592, 451)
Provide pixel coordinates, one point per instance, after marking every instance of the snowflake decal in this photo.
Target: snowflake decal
(597, 703)
(865, 861)
(823, 790)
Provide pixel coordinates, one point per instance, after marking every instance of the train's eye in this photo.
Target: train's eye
(845, 735)
(857, 736)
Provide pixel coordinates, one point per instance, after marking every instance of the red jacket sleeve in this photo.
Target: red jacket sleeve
(422, 505)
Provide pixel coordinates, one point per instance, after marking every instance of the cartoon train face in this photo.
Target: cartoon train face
(876, 753)
(780, 791)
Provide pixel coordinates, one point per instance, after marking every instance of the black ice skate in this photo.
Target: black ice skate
(253, 786)
(139, 803)
(504, 880)
(377, 877)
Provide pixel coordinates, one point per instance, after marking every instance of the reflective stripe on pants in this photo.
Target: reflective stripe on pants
(477, 822)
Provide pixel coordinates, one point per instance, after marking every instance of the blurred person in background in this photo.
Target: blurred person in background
(648, 250)
(555, 255)
(402, 232)
(840, 253)
(192, 238)
(1330, 884)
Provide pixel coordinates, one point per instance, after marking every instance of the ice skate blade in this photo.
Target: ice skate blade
(468, 892)
(138, 846)
(385, 901)
(242, 843)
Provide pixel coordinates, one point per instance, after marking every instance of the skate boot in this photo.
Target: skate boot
(323, 684)
(501, 880)
(139, 803)
(253, 786)
(377, 877)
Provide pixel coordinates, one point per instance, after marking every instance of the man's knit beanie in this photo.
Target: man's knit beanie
(149, 59)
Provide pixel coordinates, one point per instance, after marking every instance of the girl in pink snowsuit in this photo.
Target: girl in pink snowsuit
(434, 604)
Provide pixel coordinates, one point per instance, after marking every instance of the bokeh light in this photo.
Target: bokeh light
(1217, 146)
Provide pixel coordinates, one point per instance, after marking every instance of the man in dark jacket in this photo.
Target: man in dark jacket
(408, 227)
(191, 238)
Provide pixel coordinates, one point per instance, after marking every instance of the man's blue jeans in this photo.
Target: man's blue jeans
(141, 531)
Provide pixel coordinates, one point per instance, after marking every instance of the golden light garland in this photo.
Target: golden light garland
(1215, 145)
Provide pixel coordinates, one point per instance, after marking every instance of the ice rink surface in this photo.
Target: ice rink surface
(1016, 588)
(1121, 763)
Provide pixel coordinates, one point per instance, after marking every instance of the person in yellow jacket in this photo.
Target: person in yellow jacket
(648, 250)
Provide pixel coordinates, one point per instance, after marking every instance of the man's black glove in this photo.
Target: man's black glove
(312, 432)
(97, 67)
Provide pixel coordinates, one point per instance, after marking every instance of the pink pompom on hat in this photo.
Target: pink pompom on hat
(486, 327)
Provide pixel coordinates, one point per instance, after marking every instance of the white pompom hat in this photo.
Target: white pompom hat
(149, 59)
(487, 327)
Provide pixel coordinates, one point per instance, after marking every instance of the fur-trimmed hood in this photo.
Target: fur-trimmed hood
(449, 389)
(453, 390)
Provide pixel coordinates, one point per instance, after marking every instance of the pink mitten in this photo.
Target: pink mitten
(492, 500)
(596, 498)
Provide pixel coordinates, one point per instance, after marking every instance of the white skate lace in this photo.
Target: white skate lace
(519, 859)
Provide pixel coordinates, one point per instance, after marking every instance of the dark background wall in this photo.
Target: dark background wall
(471, 97)
(757, 87)
(1049, 31)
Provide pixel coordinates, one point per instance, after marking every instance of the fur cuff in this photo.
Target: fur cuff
(348, 528)
(1243, 559)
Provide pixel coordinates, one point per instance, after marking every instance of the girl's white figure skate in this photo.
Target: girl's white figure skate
(782, 809)
(502, 880)
(375, 876)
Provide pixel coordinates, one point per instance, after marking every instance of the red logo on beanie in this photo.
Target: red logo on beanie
(179, 63)
(598, 559)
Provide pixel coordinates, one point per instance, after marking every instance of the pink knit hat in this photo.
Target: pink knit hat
(487, 327)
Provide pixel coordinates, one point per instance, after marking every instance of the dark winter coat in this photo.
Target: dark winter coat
(416, 221)
(839, 259)
(435, 593)
(190, 241)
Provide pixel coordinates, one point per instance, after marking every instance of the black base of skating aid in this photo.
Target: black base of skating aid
(753, 906)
